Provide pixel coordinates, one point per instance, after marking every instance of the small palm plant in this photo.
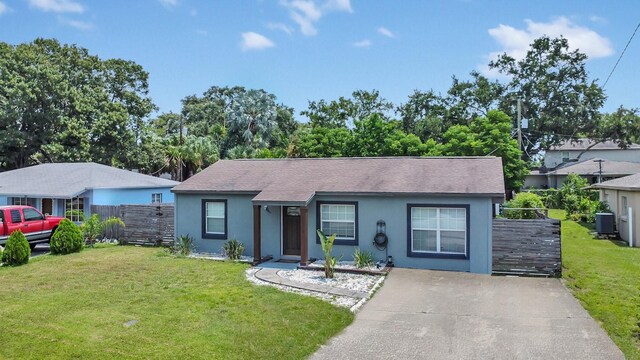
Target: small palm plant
(326, 242)
(95, 226)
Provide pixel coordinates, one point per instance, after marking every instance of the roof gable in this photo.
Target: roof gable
(583, 144)
(591, 167)
(631, 182)
(66, 180)
(297, 180)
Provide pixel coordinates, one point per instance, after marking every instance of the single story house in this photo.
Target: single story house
(56, 188)
(435, 212)
(623, 194)
(594, 170)
(585, 149)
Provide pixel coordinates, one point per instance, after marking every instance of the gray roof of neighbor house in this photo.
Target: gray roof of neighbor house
(631, 182)
(582, 144)
(591, 167)
(66, 180)
(298, 180)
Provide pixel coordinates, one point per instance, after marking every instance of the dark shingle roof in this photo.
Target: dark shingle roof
(64, 180)
(631, 182)
(591, 167)
(298, 180)
(582, 144)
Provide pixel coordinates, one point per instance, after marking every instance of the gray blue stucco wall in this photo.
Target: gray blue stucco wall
(391, 209)
(130, 196)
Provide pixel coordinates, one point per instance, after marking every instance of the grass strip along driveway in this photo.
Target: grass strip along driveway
(605, 277)
(76, 306)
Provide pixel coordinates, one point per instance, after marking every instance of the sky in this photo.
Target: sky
(302, 50)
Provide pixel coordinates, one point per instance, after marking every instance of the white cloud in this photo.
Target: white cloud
(386, 32)
(202, 32)
(598, 19)
(306, 13)
(78, 24)
(255, 41)
(339, 5)
(515, 41)
(59, 6)
(363, 43)
(3, 8)
(169, 3)
(280, 26)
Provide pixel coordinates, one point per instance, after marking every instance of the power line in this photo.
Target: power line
(621, 54)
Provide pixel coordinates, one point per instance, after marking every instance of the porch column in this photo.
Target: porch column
(256, 234)
(304, 236)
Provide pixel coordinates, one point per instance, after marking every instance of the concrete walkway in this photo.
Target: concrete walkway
(271, 276)
(421, 314)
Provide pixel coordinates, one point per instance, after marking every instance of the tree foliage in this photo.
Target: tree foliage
(559, 99)
(490, 135)
(345, 111)
(60, 103)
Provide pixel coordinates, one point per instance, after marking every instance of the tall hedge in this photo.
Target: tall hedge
(66, 239)
(16, 250)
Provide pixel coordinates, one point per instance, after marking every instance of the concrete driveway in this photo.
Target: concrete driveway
(421, 314)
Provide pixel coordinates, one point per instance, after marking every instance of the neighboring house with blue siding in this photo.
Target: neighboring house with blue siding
(435, 212)
(59, 187)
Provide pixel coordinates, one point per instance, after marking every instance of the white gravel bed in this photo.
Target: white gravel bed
(347, 265)
(343, 301)
(219, 257)
(357, 282)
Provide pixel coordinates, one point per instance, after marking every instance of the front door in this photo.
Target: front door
(290, 230)
(47, 206)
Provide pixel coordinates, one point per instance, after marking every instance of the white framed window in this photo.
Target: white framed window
(438, 230)
(625, 206)
(214, 219)
(156, 198)
(339, 219)
(74, 209)
(565, 156)
(23, 201)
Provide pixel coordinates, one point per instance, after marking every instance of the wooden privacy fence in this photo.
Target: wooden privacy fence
(527, 247)
(144, 224)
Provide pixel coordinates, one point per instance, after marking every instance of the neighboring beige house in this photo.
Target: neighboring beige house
(588, 169)
(623, 194)
(569, 152)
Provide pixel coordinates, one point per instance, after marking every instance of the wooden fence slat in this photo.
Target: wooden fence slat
(144, 224)
(530, 247)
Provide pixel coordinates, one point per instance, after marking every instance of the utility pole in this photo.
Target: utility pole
(519, 124)
(599, 161)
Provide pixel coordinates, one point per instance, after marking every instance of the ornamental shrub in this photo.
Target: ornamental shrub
(67, 238)
(524, 200)
(233, 249)
(16, 250)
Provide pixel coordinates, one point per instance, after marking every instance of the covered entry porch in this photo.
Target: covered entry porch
(294, 232)
(294, 223)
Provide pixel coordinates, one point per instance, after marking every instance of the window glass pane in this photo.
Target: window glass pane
(338, 212)
(452, 219)
(30, 214)
(341, 229)
(424, 240)
(215, 225)
(215, 209)
(452, 241)
(424, 218)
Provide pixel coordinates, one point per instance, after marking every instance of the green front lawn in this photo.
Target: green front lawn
(75, 306)
(605, 277)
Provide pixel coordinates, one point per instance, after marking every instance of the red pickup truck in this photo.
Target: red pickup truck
(36, 227)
